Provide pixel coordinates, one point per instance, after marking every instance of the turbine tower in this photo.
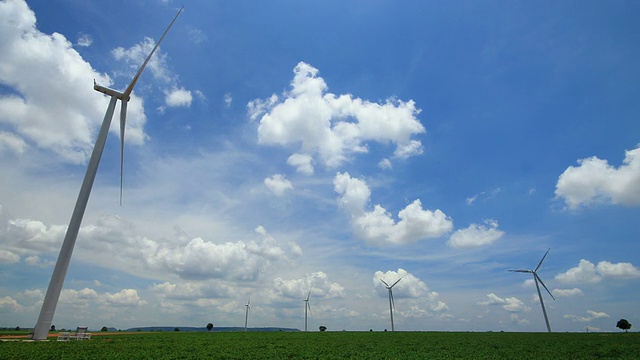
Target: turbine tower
(246, 313)
(392, 304)
(306, 307)
(45, 318)
(537, 279)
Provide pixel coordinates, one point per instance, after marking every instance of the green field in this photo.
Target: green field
(333, 345)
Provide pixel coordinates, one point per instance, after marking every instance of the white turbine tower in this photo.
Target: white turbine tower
(392, 304)
(246, 313)
(306, 307)
(537, 279)
(45, 318)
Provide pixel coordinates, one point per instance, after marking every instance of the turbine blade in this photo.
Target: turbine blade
(129, 89)
(384, 282)
(521, 271)
(397, 281)
(123, 121)
(541, 260)
(545, 286)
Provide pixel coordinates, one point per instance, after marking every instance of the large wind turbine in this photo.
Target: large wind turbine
(246, 313)
(392, 304)
(306, 307)
(537, 279)
(45, 318)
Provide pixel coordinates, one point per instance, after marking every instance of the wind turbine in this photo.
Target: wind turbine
(246, 313)
(392, 304)
(306, 307)
(537, 279)
(45, 318)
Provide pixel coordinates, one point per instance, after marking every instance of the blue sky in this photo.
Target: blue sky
(276, 148)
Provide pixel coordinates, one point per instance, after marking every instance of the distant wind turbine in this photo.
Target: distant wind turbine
(306, 307)
(246, 313)
(392, 304)
(45, 318)
(537, 279)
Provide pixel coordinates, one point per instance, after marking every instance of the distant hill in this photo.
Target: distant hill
(204, 329)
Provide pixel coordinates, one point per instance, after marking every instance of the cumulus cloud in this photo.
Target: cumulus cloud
(318, 282)
(303, 163)
(135, 56)
(12, 142)
(189, 258)
(476, 235)
(595, 181)
(84, 40)
(378, 226)
(47, 79)
(592, 315)
(29, 237)
(409, 288)
(567, 292)
(278, 184)
(8, 257)
(511, 304)
(587, 272)
(125, 297)
(10, 303)
(178, 97)
(333, 128)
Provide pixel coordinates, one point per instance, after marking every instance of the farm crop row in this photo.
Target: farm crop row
(332, 345)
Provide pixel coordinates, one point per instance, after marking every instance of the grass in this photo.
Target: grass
(333, 345)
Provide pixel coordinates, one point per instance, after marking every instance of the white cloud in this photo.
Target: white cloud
(135, 56)
(330, 127)
(318, 282)
(35, 260)
(126, 297)
(194, 258)
(10, 303)
(278, 184)
(406, 150)
(178, 97)
(476, 235)
(228, 99)
(592, 316)
(84, 40)
(8, 257)
(303, 163)
(385, 164)
(587, 272)
(595, 181)
(378, 226)
(511, 304)
(567, 292)
(12, 142)
(621, 270)
(50, 80)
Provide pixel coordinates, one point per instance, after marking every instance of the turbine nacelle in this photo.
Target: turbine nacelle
(107, 91)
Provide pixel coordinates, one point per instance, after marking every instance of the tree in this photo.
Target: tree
(176, 329)
(104, 328)
(323, 328)
(53, 328)
(623, 324)
(209, 326)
